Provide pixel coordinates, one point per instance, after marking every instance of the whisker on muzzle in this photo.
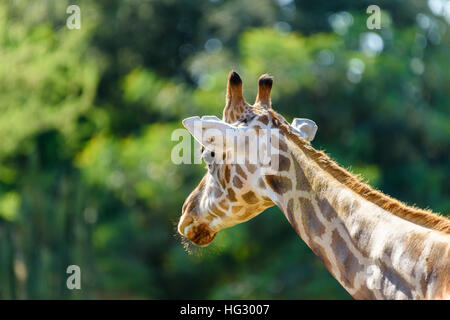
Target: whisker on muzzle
(188, 246)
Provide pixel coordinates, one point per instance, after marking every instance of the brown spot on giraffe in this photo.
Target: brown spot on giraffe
(251, 167)
(261, 183)
(250, 197)
(227, 174)
(347, 206)
(390, 275)
(240, 172)
(224, 204)
(219, 174)
(346, 262)
(237, 182)
(279, 184)
(231, 195)
(326, 209)
(320, 252)
(257, 130)
(284, 164)
(310, 221)
(290, 215)
(278, 143)
(214, 209)
(264, 119)
(302, 182)
(361, 236)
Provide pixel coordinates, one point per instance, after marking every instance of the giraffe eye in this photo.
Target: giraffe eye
(208, 156)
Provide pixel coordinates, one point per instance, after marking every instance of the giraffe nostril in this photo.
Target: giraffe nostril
(184, 222)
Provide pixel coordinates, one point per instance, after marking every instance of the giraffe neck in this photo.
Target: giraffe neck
(371, 252)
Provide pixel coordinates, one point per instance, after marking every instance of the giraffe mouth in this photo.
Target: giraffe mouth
(199, 234)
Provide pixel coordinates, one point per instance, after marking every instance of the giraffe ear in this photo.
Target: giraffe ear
(305, 128)
(211, 132)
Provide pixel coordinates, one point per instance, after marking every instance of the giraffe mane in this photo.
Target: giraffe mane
(425, 218)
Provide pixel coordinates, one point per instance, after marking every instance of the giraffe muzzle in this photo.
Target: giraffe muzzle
(198, 233)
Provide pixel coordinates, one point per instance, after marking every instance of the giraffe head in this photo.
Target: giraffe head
(238, 150)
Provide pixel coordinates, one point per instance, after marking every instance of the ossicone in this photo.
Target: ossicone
(264, 88)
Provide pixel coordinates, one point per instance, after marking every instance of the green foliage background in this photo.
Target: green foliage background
(86, 118)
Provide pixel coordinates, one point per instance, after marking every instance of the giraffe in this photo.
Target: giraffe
(375, 246)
